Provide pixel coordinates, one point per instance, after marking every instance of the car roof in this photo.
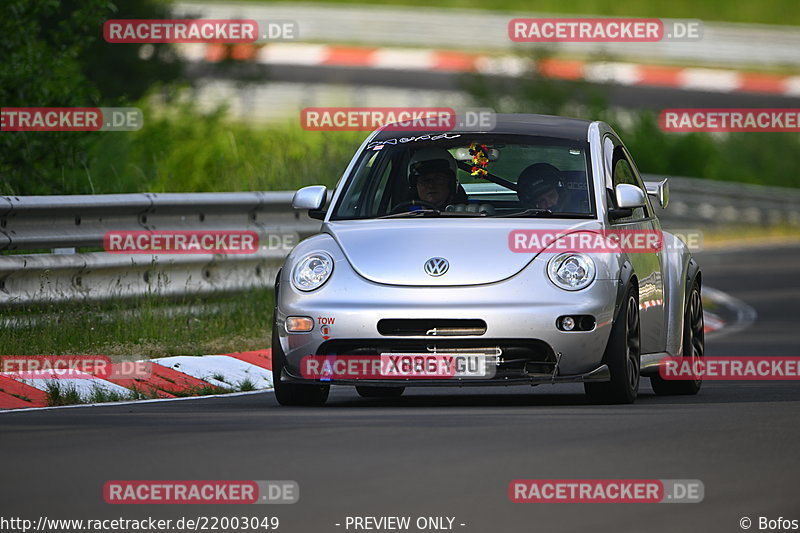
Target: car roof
(516, 124)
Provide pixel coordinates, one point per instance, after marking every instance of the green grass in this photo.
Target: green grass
(764, 11)
(184, 150)
(147, 327)
(247, 385)
(187, 151)
(744, 235)
(60, 393)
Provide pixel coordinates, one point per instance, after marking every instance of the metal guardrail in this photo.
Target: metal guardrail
(34, 222)
(64, 223)
(708, 203)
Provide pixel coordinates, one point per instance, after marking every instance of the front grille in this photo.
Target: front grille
(430, 327)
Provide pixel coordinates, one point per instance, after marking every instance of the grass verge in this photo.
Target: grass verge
(749, 236)
(61, 393)
(147, 327)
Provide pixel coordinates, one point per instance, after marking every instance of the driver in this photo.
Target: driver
(432, 177)
(540, 187)
(434, 182)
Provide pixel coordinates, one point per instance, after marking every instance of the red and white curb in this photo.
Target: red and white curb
(408, 59)
(712, 322)
(170, 378)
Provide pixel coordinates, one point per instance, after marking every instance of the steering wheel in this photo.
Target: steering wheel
(408, 203)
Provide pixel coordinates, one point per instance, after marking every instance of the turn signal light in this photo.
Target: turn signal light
(299, 324)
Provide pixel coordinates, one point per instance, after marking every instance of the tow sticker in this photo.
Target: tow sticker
(326, 326)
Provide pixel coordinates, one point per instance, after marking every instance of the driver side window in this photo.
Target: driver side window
(623, 173)
(381, 193)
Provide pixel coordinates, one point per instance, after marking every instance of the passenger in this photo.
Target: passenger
(540, 187)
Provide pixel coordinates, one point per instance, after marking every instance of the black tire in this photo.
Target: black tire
(693, 346)
(622, 355)
(379, 392)
(293, 394)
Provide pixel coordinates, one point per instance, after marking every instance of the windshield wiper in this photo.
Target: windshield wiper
(532, 213)
(434, 212)
(415, 213)
(465, 214)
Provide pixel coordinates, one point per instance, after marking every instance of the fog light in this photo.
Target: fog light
(298, 324)
(567, 323)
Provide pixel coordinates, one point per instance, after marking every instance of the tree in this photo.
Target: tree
(54, 56)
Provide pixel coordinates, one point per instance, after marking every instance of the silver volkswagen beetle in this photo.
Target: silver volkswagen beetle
(527, 254)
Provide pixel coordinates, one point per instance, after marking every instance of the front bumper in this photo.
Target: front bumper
(599, 374)
(519, 315)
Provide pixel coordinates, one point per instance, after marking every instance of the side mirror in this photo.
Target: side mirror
(629, 197)
(311, 198)
(658, 190)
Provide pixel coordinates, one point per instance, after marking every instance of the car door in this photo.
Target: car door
(646, 261)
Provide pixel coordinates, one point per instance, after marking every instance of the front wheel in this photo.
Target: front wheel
(693, 347)
(293, 393)
(623, 357)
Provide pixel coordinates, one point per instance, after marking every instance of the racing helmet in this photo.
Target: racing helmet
(429, 160)
(536, 180)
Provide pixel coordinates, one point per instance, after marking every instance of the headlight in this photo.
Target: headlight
(571, 271)
(312, 271)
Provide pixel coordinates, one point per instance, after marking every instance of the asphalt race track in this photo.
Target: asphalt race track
(449, 453)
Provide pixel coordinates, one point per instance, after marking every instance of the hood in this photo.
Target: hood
(394, 251)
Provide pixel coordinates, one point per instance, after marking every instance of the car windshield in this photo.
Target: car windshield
(469, 175)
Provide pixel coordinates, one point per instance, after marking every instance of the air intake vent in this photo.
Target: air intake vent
(430, 327)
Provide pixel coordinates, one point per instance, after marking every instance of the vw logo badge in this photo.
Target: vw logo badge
(436, 266)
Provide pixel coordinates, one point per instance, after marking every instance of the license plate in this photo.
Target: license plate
(436, 366)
